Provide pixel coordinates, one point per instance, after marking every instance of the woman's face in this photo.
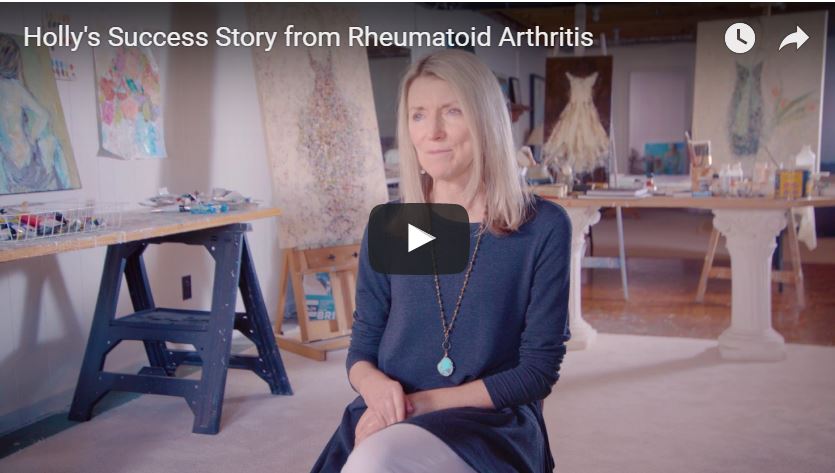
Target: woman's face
(439, 129)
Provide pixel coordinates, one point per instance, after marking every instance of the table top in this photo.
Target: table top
(136, 225)
(669, 202)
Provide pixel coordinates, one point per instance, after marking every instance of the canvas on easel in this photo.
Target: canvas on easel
(765, 105)
(324, 147)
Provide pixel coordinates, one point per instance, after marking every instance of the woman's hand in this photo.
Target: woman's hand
(422, 402)
(369, 423)
(385, 396)
(472, 394)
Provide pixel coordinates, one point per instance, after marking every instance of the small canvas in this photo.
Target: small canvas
(129, 101)
(318, 296)
(666, 158)
(35, 149)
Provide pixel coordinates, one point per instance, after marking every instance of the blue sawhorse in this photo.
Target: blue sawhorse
(209, 332)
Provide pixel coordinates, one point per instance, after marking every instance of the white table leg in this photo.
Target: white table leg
(750, 237)
(582, 334)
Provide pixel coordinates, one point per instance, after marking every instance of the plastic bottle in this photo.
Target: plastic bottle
(725, 180)
(735, 179)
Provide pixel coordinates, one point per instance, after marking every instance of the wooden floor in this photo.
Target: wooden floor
(662, 302)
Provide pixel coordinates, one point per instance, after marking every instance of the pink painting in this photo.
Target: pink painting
(129, 103)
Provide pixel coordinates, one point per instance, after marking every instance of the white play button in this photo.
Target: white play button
(417, 237)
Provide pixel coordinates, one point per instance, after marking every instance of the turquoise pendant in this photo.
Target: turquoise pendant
(445, 366)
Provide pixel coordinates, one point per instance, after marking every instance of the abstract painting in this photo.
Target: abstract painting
(35, 150)
(763, 105)
(320, 126)
(578, 103)
(129, 103)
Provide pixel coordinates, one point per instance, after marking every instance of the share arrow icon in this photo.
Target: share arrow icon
(798, 37)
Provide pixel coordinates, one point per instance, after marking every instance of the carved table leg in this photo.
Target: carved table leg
(750, 237)
(582, 334)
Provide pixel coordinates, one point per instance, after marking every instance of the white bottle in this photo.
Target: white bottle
(735, 179)
(805, 159)
(724, 179)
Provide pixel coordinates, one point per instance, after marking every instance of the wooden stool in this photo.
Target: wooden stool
(209, 331)
(793, 276)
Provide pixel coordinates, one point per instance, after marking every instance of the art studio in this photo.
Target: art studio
(417, 237)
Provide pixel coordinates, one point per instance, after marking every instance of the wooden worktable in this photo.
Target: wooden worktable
(223, 236)
(136, 225)
(750, 227)
(668, 202)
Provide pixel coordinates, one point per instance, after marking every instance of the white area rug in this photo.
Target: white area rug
(628, 404)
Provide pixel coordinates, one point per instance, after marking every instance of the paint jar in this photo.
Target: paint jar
(789, 184)
(807, 183)
(764, 180)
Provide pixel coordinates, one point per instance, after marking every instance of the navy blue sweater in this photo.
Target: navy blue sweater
(510, 332)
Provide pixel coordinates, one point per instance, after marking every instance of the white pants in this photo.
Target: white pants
(404, 448)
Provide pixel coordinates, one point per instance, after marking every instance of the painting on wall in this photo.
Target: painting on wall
(35, 148)
(537, 100)
(320, 127)
(578, 102)
(763, 105)
(129, 102)
(504, 85)
(666, 158)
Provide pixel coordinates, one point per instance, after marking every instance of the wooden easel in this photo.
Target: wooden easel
(793, 276)
(317, 337)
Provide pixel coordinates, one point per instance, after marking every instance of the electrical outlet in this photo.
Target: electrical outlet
(187, 287)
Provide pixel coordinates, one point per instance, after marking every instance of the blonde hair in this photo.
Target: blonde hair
(494, 168)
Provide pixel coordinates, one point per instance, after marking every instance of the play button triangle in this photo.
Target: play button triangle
(417, 237)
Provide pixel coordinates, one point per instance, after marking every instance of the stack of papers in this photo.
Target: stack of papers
(616, 193)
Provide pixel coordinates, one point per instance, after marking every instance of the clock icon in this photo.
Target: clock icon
(740, 38)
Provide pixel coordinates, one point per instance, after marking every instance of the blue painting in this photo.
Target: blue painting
(35, 151)
(745, 113)
(666, 158)
(763, 106)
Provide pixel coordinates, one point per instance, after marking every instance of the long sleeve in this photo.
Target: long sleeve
(373, 300)
(545, 332)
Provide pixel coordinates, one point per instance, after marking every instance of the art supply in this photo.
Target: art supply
(764, 180)
(698, 153)
(789, 184)
(27, 221)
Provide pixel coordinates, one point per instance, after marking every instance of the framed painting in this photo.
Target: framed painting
(578, 135)
(537, 100)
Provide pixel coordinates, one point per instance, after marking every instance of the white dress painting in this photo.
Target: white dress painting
(578, 138)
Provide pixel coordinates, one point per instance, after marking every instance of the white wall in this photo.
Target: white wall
(214, 138)
(386, 74)
(658, 104)
(674, 58)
